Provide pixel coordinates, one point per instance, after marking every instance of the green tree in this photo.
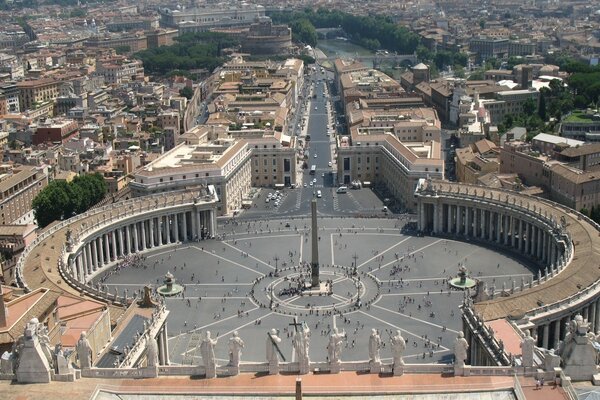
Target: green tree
(123, 49)
(62, 200)
(542, 107)
(187, 92)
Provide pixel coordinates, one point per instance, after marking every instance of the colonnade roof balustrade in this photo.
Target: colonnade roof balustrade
(581, 277)
(38, 265)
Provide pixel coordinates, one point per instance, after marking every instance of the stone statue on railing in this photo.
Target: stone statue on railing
(301, 344)
(398, 346)
(84, 351)
(527, 347)
(334, 348)
(374, 346)
(273, 350)
(151, 351)
(460, 350)
(62, 365)
(236, 344)
(207, 349)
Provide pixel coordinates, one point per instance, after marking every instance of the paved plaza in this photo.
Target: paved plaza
(401, 278)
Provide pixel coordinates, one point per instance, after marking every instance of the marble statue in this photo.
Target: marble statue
(273, 341)
(7, 363)
(301, 343)
(63, 366)
(334, 348)
(374, 346)
(151, 352)
(236, 344)
(527, 346)
(84, 351)
(207, 349)
(398, 346)
(460, 350)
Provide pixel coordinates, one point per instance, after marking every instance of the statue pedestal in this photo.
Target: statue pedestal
(335, 367)
(273, 368)
(210, 372)
(398, 370)
(304, 368)
(459, 370)
(33, 364)
(233, 370)
(375, 367)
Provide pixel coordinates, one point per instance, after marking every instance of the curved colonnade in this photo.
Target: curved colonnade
(564, 244)
(69, 254)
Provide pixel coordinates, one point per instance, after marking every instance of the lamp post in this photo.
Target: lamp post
(276, 258)
(354, 265)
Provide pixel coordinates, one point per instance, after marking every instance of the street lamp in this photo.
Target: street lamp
(276, 258)
(354, 265)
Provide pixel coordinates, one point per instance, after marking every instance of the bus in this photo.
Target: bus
(313, 169)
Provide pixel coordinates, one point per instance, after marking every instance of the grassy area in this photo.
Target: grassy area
(578, 116)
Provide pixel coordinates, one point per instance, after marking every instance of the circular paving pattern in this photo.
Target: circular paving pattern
(229, 284)
(288, 292)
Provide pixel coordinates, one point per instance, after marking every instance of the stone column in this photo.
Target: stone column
(449, 217)
(545, 247)
(467, 221)
(213, 223)
(185, 230)
(592, 316)
(159, 228)
(81, 267)
(198, 222)
(194, 224)
(540, 240)
(143, 230)
(556, 334)
(521, 241)
(459, 220)
(499, 227)
(584, 313)
(106, 248)
(128, 239)
(136, 242)
(122, 249)
(90, 261)
(151, 227)
(513, 236)
(528, 241)
(100, 246)
(161, 349)
(505, 225)
(94, 256)
(113, 235)
(490, 225)
(545, 333)
(176, 227)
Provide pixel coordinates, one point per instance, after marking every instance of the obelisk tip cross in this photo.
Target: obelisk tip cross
(314, 265)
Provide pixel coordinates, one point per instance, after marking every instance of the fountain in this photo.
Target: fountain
(462, 281)
(169, 287)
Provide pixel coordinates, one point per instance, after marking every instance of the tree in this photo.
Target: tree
(187, 92)
(542, 107)
(62, 200)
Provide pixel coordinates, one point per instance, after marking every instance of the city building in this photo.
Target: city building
(18, 188)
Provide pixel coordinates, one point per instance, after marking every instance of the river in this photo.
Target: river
(346, 49)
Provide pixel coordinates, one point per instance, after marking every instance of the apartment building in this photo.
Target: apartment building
(55, 131)
(18, 188)
(206, 155)
(394, 148)
(476, 160)
(200, 19)
(37, 91)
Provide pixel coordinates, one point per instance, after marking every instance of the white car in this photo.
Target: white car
(314, 180)
(268, 199)
(329, 163)
(305, 184)
(311, 183)
(319, 195)
(323, 175)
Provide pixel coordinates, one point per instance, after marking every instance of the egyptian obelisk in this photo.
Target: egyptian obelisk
(314, 265)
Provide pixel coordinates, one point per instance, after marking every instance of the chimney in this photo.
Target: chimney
(3, 309)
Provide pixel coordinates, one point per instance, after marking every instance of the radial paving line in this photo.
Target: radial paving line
(385, 251)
